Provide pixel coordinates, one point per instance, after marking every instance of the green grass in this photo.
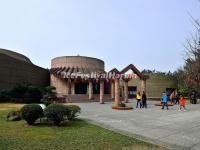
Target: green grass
(74, 135)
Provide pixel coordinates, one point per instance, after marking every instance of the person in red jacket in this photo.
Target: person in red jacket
(182, 103)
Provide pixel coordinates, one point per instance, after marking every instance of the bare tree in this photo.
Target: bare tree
(189, 75)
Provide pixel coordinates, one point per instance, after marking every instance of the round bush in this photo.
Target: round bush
(56, 113)
(31, 113)
(74, 111)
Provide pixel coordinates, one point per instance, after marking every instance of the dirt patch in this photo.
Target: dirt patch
(7, 106)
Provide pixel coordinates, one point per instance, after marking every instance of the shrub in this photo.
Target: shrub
(56, 113)
(185, 91)
(74, 111)
(26, 93)
(33, 95)
(122, 104)
(49, 95)
(14, 116)
(5, 96)
(31, 113)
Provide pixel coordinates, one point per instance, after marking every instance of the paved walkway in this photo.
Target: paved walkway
(177, 130)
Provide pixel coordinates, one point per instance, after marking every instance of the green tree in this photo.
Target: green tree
(49, 95)
(188, 77)
(25, 93)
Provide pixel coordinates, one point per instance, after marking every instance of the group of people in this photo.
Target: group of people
(141, 100)
(176, 98)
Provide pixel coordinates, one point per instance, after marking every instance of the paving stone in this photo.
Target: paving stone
(178, 130)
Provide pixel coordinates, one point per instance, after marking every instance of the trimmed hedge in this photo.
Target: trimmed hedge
(5, 96)
(56, 113)
(31, 113)
(49, 95)
(74, 111)
(22, 93)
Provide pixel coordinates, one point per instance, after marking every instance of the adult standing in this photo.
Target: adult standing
(177, 97)
(193, 97)
(144, 100)
(172, 97)
(138, 97)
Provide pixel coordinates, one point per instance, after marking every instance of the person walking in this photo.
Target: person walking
(172, 97)
(164, 101)
(193, 97)
(177, 97)
(144, 100)
(138, 97)
(182, 103)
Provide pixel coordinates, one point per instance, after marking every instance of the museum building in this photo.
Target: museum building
(99, 88)
(71, 75)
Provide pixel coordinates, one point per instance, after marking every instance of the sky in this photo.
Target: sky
(148, 34)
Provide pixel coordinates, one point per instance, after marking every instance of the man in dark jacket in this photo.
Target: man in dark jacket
(144, 100)
(193, 97)
(177, 97)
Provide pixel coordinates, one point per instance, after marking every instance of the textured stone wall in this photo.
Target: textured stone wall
(13, 71)
(78, 61)
(155, 85)
(60, 84)
(92, 64)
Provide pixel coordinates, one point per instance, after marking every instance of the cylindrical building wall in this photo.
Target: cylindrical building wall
(89, 63)
(78, 61)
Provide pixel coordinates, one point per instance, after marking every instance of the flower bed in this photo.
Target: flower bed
(122, 108)
(160, 104)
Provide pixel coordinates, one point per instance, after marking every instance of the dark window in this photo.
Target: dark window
(132, 91)
(106, 87)
(96, 88)
(81, 88)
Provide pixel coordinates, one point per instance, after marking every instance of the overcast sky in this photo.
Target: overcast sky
(147, 33)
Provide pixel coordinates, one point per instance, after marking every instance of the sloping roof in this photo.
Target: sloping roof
(115, 70)
(133, 68)
(64, 72)
(130, 67)
(15, 55)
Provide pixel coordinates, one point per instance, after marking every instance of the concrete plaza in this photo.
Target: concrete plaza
(173, 129)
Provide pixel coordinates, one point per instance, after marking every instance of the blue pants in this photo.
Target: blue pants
(165, 104)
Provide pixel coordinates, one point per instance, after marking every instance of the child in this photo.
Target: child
(164, 101)
(182, 103)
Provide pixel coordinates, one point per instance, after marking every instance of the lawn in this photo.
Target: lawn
(74, 135)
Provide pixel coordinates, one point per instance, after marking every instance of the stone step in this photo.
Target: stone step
(85, 98)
